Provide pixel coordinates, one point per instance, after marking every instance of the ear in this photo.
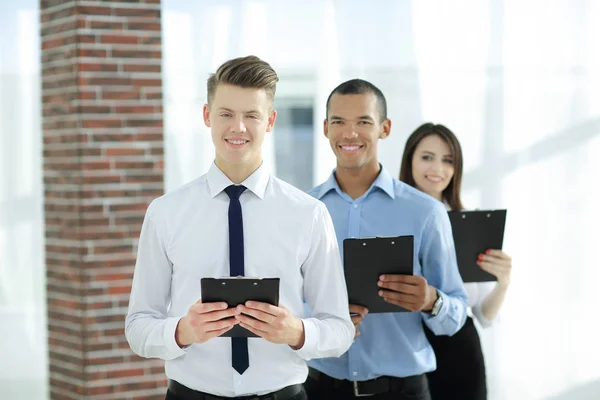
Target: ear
(325, 128)
(271, 122)
(386, 129)
(206, 115)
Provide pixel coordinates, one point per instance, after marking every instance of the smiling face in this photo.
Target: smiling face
(433, 165)
(353, 127)
(238, 119)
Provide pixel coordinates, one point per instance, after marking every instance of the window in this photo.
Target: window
(293, 141)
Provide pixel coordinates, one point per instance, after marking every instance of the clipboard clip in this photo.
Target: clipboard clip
(238, 277)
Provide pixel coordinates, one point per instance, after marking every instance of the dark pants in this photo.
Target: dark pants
(173, 396)
(328, 389)
(460, 372)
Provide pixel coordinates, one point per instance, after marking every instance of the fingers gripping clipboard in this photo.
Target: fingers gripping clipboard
(239, 290)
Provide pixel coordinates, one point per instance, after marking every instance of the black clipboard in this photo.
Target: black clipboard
(238, 290)
(367, 259)
(474, 232)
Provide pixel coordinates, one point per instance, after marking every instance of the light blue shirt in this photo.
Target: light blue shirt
(394, 344)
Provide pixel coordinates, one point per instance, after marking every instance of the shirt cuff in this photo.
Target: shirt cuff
(443, 311)
(311, 334)
(173, 349)
(478, 314)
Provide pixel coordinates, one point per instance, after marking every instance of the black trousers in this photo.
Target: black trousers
(323, 390)
(460, 372)
(300, 396)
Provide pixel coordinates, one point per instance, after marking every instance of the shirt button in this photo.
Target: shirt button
(356, 206)
(355, 373)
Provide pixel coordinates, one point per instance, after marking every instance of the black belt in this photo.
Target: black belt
(190, 394)
(383, 384)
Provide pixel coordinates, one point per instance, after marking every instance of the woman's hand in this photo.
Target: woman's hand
(497, 263)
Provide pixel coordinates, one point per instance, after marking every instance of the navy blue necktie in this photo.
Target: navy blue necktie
(239, 346)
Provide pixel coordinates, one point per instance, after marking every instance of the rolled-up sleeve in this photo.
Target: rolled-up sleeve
(329, 331)
(438, 260)
(148, 329)
(483, 289)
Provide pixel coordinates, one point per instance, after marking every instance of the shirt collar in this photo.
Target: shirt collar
(384, 181)
(256, 182)
(329, 185)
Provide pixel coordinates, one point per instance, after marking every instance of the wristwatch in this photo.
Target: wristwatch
(437, 306)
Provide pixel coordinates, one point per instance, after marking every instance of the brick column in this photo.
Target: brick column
(103, 164)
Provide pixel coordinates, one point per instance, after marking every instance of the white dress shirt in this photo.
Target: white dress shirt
(477, 292)
(287, 234)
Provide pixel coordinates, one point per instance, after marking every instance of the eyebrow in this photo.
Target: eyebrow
(363, 117)
(433, 154)
(243, 112)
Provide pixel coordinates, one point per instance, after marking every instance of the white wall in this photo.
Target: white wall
(22, 277)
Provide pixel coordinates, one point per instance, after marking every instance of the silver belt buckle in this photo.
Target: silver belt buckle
(357, 393)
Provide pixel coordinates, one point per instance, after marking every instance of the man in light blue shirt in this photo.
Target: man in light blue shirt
(390, 354)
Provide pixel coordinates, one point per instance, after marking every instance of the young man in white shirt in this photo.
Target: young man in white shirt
(238, 216)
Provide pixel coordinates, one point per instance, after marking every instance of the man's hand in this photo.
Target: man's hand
(357, 319)
(408, 291)
(204, 321)
(275, 324)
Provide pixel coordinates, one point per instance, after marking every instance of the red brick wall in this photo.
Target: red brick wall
(103, 164)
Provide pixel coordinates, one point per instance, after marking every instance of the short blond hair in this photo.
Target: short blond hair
(246, 72)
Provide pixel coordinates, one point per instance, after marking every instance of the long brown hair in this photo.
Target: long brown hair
(451, 194)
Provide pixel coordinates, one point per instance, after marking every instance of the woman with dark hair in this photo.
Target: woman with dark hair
(433, 163)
